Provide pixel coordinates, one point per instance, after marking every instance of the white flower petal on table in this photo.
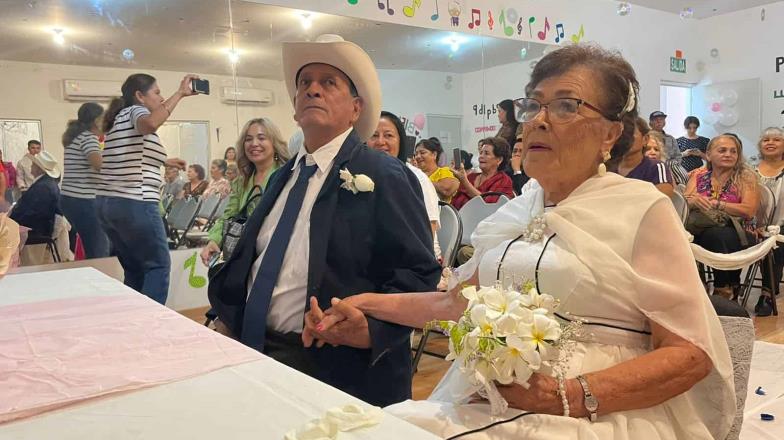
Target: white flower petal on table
(318, 429)
(350, 417)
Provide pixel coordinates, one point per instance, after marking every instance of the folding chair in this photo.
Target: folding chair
(182, 221)
(476, 210)
(681, 207)
(449, 234)
(218, 213)
(209, 205)
(765, 217)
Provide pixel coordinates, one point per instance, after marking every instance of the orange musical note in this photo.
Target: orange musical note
(543, 33)
(579, 36)
(476, 18)
(559, 32)
(531, 21)
(490, 21)
(508, 30)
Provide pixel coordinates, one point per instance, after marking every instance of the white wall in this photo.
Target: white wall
(748, 48)
(34, 91)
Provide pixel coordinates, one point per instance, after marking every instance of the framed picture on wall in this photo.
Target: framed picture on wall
(14, 134)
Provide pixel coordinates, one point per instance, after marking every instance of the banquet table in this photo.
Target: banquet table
(767, 371)
(257, 399)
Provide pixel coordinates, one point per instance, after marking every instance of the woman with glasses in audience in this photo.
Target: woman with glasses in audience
(723, 201)
(494, 156)
(770, 171)
(218, 183)
(653, 362)
(636, 165)
(261, 150)
(81, 169)
(426, 157)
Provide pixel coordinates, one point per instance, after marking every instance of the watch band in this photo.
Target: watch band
(591, 404)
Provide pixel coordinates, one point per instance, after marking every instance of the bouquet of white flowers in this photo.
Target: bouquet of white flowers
(505, 336)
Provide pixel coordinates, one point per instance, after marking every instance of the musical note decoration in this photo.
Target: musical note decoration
(508, 30)
(435, 16)
(543, 33)
(520, 26)
(476, 18)
(196, 281)
(490, 21)
(381, 6)
(353, 2)
(531, 21)
(512, 15)
(410, 11)
(579, 35)
(454, 12)
(559, 32)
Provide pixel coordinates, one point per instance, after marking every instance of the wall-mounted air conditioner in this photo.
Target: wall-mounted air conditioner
(90, 90)
(246, 96)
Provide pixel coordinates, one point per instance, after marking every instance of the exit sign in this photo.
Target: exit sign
(678, 63)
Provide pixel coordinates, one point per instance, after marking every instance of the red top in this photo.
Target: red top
(500, 182)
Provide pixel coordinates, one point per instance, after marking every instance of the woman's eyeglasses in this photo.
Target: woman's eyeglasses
(560, 110)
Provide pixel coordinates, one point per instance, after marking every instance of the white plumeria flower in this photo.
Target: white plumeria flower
(484, 317)
(535, 336)
(535, 300)
(515, 363)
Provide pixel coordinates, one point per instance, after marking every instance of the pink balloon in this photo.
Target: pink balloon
(419, 121)
(716, 107)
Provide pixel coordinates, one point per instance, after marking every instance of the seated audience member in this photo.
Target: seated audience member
(218, 183)
(493, 157)
(506, 116)
(39, 204)
(653, 148)
(723, 200)
(389, 138)
(172, 182)
(693, 146)
(196, 185)
(24, 176)
(261, 151)
(9, 172)
(770, 172)
(515, 168)
(232, 172)
(635, 165)
(230, 156)
(427, 155)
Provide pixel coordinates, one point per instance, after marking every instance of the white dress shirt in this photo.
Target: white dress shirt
(24, 173)
(287, 306)
(431, 203)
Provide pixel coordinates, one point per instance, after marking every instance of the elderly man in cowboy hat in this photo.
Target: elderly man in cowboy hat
(337, 220)
(39, 204)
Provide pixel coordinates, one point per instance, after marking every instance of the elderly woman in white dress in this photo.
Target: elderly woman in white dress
(653, 357)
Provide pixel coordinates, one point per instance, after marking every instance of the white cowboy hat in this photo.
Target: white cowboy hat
(349, 59)
(47, 163)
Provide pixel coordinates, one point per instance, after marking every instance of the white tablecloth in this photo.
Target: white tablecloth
(258, 400)
(767, 371)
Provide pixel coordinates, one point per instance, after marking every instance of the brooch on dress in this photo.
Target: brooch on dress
(535, 230)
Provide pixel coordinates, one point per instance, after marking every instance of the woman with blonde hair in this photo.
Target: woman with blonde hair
(770, 171)
(261, 150)
(723, 199)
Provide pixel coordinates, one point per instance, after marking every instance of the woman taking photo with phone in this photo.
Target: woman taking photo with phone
(130, 182)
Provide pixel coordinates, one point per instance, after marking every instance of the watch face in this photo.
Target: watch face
(591, 403)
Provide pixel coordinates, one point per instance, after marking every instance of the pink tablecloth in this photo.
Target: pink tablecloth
(56, 353)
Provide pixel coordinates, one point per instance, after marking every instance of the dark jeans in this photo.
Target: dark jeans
(723, 240)
(135, 231)
(287, 349)
(778, 266)
(82, 215)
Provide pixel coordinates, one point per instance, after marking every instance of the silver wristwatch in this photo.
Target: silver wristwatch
(591, 404)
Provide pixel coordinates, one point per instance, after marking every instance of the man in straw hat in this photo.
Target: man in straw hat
(39, 204)
(337, 220)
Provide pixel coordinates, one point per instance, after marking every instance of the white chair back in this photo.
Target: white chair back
(473, 212)
(681, 207)
(767, 206)
(449, 234)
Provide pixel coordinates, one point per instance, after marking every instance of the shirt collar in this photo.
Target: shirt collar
(324, 156)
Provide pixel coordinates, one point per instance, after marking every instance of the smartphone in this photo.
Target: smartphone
(200, 86)
(457, 158)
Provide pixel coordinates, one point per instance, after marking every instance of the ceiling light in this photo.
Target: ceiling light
(234, 56)
(306, 20)
(454, 41)
(58, 37)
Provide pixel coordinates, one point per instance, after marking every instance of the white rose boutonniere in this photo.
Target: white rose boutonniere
(356, 184)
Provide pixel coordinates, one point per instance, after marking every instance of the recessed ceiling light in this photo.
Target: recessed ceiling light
(57, 36)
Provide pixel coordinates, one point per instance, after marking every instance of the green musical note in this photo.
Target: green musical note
(579, 35)
(353, 2)
(194, 281)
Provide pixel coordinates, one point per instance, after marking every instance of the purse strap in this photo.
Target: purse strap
(244, 209)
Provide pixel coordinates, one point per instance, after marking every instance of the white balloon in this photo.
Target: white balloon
(711, 96)
(729, 117)
(711, 118)
(729, 97)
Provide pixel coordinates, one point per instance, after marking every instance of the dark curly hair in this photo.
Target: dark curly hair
(614, 75)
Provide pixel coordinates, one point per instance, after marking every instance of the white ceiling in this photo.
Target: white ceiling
(193, 35)
(702, 8)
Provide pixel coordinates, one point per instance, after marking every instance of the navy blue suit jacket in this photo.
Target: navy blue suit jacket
(377, 241)
(38, 205)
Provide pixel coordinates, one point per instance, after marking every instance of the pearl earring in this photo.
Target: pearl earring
(602, 167)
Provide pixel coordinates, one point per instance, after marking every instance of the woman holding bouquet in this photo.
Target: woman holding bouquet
(653, 362)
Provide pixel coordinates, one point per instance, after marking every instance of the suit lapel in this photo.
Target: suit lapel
(323, 212)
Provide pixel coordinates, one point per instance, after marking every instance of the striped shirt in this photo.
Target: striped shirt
(80, 179)
(131, 161)
(650, 170)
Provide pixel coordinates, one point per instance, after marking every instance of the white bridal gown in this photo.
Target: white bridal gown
(619, 258)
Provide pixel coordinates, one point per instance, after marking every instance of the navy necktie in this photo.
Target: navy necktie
(254, 323)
